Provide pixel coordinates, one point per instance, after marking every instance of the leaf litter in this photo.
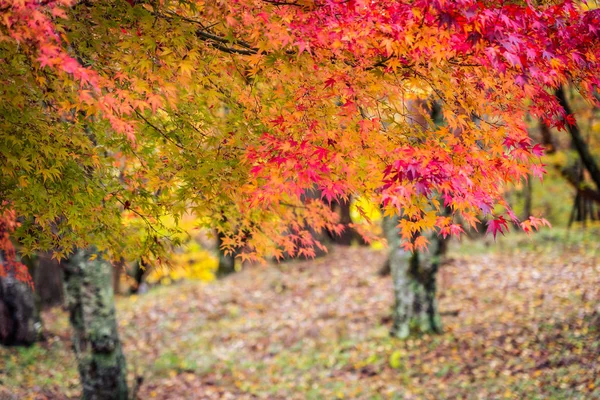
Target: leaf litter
(516, 325)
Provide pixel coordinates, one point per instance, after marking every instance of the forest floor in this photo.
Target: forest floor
(518, 324)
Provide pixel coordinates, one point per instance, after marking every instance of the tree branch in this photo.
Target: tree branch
(582, 148)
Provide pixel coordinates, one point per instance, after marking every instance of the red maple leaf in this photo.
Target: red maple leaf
(279, 121)
(497, 225)
(329, 82)
(538, 150)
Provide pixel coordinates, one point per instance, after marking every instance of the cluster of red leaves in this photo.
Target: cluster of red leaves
(536, 47)
(504, 56)
(9, 264)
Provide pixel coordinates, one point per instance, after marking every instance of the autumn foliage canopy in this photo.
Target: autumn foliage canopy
(132, 110)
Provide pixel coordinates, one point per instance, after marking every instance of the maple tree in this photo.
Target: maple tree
(252, 103)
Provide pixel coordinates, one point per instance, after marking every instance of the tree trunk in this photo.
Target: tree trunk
(117, 271)
(345, 238)
(385, 269)
(528, 193)
(139, 271)
(96, 343)
(226, 261)
(321, 237)
(48, 279)
(20, 324)
(547, 139)
(414, 277)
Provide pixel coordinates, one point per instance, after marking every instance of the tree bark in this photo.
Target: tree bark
(528, 193)
(139, 271)
(414, 276)
(571, 175)
(48, 279)
(90, 301)
(321, 237)
(385, 269)
(117, 271)
(20, 324)
(547, 139)
(345, 238)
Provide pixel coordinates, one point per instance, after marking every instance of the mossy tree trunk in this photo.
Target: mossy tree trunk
(414, 273)
(414, 276)
(90, 301)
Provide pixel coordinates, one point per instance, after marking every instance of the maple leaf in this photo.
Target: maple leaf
(533, 223)
(302, 47)
(155, 101)
(538, 170)
(279, 121)
(497, 225)
(538, 150)
(570, 119)
(420, 243)
(329, 82)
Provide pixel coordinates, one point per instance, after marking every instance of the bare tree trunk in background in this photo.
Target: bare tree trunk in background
(345, 238)
(583, 206)
(321, 237)
(117, 271)
(349, 235)
(139, 270)
(547, 139)
(48, 279)
(226, 261)
(385, 269)
(96, 343)
(528, 193)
